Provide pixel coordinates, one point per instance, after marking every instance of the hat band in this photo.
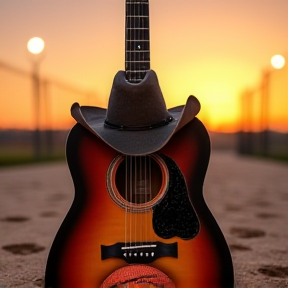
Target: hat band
(137, 128)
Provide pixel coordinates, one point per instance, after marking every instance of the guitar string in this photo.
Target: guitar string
(146, 194)
(126, 194)
(126, 40)
(132, 193)
(143, 200)
(135, 159)
(127, 160)
(149, 219)
(134, 37)
(127, 157)
(139, 31)
(142, 24)
(136, 191)
(147, 158)
(143, 179)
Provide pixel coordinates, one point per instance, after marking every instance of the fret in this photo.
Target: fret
(135, 71)
(141, 61)
(137, 59)
(138, 2)
(137, 34)
(137, 65)
(137, 51)
(132, 3)
(136, 22)
(137, 28)
(141, 9)
(140, 56)
(139, 16)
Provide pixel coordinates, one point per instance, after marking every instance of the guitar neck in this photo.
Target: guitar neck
(137, 40)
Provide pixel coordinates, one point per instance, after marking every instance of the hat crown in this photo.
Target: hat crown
(133, 108)
(136, 104)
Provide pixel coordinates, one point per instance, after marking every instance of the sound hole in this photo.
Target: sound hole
(143, 179)
(137, 182)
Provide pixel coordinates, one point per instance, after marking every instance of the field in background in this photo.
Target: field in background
(16, 146)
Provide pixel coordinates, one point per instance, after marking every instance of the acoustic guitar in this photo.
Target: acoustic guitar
(138, 218)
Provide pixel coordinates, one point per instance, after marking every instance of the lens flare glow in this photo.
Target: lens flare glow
(35, 45)
(278, 61)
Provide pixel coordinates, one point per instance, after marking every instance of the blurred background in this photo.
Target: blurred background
(219, 51)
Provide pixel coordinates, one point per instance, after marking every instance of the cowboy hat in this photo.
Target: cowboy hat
(136, 121)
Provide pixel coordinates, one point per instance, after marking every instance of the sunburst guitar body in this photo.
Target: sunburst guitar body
(139, 221)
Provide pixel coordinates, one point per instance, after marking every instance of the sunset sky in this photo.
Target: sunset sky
(211, 49)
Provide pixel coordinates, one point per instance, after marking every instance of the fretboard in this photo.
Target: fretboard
(137, 46)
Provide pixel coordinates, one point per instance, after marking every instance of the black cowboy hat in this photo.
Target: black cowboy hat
(136, 121)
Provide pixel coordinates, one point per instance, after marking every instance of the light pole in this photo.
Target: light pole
(277, 62)
(36, 46)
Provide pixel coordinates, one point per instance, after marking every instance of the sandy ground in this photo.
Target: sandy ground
(249, 199)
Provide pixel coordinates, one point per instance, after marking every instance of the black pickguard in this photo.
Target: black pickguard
(174, 215)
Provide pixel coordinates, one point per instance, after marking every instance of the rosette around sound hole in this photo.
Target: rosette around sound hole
(137, 183)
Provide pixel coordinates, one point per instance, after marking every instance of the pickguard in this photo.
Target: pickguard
(174, 215)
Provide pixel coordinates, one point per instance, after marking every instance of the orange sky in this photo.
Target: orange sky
(212, 49)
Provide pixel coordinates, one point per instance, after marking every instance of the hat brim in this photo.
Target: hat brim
(136, 142)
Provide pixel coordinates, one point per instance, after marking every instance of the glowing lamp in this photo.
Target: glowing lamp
(278, 61)
(35, 45)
